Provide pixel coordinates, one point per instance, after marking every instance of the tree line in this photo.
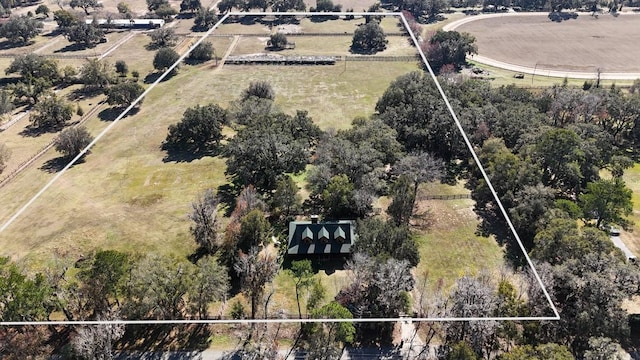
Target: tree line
(428, 11)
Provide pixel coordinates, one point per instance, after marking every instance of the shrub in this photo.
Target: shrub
(278, 41)
(122, 68)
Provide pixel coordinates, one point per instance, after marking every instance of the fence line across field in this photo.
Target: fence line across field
(447, 197)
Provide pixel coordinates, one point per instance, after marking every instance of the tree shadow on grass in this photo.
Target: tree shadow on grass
(54, 165)
(7, 45)
(153, 76)
(323, 18)
(84, 93)
(112, 113)
(34, 131)
(73, 47)
(249, 19)
(228, 193)
(153, 46)
(189, 337)
(198, 254)
(328, 264)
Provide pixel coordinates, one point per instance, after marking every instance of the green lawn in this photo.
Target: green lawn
(449, 248)
(632, 238)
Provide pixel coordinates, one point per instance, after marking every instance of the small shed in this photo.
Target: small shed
(314, 238)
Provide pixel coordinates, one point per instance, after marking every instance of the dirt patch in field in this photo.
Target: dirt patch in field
(583, 44)
(289, 29)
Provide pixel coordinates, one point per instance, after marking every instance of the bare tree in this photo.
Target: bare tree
(96, 341)
(248, 200)
(420, 167)
(256, 270)
(474, 296)
(158, 288)
(205, 221)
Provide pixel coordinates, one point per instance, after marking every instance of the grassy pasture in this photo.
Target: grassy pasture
(449, 247)
(125, 197)
(62, 46)
(134, 54)
(336, 46)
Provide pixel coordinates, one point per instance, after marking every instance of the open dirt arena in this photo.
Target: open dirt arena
(583, 44)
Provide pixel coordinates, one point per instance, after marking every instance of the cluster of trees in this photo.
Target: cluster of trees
(104, 286)
(263, 5)
(544, 154)
(75, 29)
(447, 50)
(205, 19)
(347, 172)
(163, 37)
(39, 74)
(161, 8)
(7, 5)
(51, 113)
(423, 11)
(19, 30)
(85, 5)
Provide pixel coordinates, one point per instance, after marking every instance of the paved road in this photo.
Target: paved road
(532, 70)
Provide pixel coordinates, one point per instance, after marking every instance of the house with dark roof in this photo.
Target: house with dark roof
(313, 238)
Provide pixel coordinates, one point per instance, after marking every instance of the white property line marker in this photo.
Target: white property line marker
(253, 321)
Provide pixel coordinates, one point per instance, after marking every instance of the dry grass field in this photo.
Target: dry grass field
(124, 196)
(583, 44)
